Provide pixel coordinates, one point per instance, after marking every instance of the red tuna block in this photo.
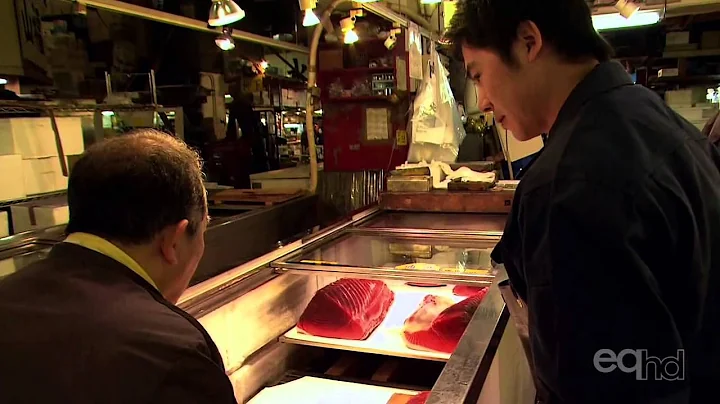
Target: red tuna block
(347, 309)
(437, 326)
(467, 291)
(421, 398)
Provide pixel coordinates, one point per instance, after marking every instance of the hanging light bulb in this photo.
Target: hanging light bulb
(347, 25)
(225, 40)
(224, 12)
(264, 64)
(351, 37)
(310, 19)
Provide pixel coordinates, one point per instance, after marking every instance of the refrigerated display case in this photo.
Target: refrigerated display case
(233, 237)
(252, 312)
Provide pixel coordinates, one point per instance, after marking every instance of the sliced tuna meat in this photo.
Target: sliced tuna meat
(438, 324)
(462, 290)
(419, 398)
(347, 309)
(399, 398)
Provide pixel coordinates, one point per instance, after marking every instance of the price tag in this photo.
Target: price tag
(401, 137)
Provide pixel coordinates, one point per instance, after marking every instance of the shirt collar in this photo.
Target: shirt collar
(604, 77)
(104, 247)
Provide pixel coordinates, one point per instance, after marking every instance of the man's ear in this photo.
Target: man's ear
(530, 41)
(169, 238)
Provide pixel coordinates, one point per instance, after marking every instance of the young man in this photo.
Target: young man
(95, 322)
(610, 241)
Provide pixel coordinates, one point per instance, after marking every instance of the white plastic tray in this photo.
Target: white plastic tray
(312, 390)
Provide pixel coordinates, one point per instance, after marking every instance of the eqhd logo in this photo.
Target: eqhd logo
(645, 367)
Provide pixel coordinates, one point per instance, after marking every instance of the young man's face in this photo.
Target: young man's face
(509, 91)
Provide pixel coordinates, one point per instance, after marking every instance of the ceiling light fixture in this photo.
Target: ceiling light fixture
(430, 1)
(310, 18)
(627, 8)
(3, 81)
(351, 37)
(224, 12)
(391, 40)
(225, 40)
(616, 20)
(347, 26)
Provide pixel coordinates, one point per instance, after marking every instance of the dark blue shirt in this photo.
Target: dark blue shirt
(610, 243)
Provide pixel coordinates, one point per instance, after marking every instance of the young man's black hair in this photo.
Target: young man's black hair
(565, 24)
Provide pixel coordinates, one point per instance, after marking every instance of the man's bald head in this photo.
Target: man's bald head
(131, 187)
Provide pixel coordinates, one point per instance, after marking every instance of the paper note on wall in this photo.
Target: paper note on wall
(401, 75)
(376, 124)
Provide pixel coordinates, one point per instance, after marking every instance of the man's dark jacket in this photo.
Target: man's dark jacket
(614, 243)
(79, 327)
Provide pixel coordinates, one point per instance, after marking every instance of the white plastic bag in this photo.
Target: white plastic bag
(437, 129)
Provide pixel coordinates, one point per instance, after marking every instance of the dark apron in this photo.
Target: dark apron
(519, 316)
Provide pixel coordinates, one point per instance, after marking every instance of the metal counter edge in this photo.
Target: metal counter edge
(463, 377)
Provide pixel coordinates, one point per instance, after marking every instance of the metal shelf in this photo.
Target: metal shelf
(11, 107)
(33, 198)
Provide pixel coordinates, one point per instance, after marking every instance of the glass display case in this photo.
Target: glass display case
(412, 257)
(420, 258)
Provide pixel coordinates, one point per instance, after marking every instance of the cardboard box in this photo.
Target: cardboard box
(698, 113)
(71, 134)
(34, 138)
(39, 214)
(12, 184)
(43, 175)
(673, 72)
(687, 97)
(4, 224)
(677, 38)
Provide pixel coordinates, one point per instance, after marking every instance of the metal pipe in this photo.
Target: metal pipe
(185, 22)
(312, 80)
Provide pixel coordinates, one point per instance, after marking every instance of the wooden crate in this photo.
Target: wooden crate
(253, 196)
(449, 201)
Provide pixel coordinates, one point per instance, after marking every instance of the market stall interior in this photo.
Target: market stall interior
(355, 190)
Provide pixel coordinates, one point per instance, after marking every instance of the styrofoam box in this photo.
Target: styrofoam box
(4, 225)
(672, 72)
(34, 137)
(31, 216)
(696, 113)
(12, 184)
(677, 38)
(43, 175)
(686, 97)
